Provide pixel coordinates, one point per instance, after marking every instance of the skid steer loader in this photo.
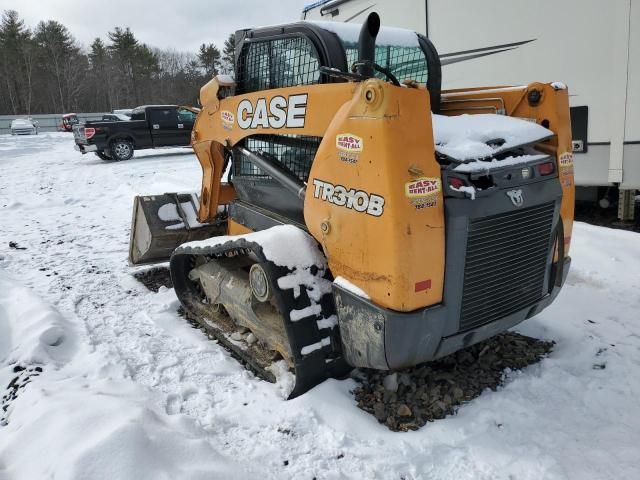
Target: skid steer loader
(352, 214)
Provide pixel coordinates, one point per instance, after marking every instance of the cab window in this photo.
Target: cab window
(278, 63)
(185, 115)
(138, 114)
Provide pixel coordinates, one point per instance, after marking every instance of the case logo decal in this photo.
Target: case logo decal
(278, 112)
(350, 198)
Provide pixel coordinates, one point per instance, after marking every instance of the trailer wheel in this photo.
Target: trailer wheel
(121, 149)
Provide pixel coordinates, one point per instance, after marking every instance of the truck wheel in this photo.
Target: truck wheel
(121, 149)
(102, 155)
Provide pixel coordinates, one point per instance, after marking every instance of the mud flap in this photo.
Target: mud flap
(161, 223)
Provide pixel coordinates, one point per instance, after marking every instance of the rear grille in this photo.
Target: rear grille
(505, 264)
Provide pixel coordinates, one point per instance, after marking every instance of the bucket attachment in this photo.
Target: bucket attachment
(161, 223)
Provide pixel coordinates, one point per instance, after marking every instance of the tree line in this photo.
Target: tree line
(45, 70)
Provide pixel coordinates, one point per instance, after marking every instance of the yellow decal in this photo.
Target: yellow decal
(565, 163)
(566, 160)
(423, 192)
(228, 118)
(422, 188)
(349, 143)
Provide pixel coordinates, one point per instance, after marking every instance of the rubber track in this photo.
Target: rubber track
(310, 369)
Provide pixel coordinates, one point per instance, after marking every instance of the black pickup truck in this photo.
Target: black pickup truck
(150, 126)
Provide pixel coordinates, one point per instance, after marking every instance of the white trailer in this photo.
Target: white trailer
(590, 45)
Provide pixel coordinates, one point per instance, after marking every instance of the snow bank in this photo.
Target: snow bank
(465, 137)
(87, 428)
(73, 420)
(30, 331)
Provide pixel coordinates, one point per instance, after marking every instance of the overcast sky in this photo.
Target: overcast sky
(178, 24)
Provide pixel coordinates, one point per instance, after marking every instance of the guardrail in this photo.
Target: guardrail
(46, 122)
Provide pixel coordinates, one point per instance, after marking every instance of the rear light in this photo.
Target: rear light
(546, 168)
(89, 132)
(456, 182)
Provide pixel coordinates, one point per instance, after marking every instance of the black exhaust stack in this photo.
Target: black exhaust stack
(367, 45)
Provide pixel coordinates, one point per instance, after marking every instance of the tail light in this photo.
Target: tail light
(456, 182)
(545, 169)
(89, 132)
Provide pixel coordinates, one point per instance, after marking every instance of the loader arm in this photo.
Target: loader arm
(226, 122)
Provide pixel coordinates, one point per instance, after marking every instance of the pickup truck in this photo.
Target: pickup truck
(150, 126)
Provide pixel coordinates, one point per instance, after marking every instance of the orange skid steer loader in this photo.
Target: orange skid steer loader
(366, 218)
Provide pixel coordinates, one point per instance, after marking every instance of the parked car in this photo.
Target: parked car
(149, 127)
(123, 111)
(115, 117)
(68, 121)
(24, 126)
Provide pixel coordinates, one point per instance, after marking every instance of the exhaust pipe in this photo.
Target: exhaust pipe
(367, 44)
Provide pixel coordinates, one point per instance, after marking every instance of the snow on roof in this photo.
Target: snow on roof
(465, 137)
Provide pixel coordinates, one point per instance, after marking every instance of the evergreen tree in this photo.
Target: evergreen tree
(209, 58)
(16, 59)
(44, 70)
(57, 51)
(229, 54)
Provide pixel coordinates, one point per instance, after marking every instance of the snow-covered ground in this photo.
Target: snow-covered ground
(129, 391)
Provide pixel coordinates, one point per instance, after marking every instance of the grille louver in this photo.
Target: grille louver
(505, 264)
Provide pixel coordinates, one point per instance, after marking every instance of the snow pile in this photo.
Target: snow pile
(559, 86)
(286, 246)
(350, 287)
(84, 427)
(465, 137)
(467, 190)
(169, 213)
(30, 331)
(74, 420)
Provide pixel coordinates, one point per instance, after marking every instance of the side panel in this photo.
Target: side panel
(374, 198)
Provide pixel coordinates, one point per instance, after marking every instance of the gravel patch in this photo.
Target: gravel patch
(154, 278)
(408, 399)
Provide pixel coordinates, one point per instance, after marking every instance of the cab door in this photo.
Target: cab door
(186, 119)
(163, 122)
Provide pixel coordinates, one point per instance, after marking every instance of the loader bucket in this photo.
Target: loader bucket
(161, 223)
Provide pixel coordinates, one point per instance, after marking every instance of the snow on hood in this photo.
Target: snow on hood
(479, 166)
(465, 137)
